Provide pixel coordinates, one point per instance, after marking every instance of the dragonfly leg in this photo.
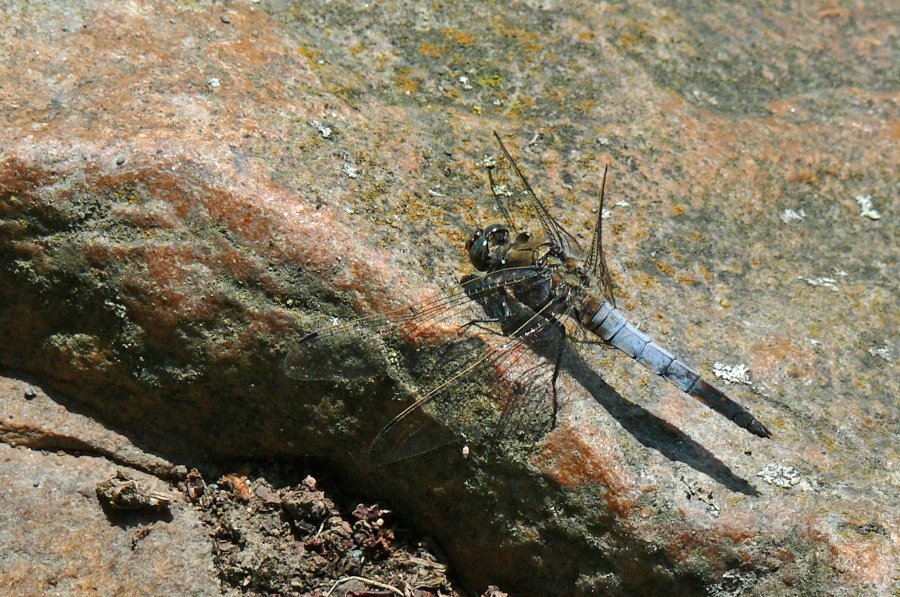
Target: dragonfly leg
(477, 324)
(556, 367)
(504, 208)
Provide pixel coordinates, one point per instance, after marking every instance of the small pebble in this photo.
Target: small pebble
(30, 393)
(120, 160)
(225, 19)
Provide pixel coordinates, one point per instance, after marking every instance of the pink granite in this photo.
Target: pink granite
(182, 195)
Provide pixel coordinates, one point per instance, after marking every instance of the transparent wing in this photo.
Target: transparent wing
(596, 262)
(497, 393)
(336, 352)
(478, 379)
(553, 229)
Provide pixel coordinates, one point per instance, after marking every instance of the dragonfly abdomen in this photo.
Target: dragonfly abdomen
(610, 324)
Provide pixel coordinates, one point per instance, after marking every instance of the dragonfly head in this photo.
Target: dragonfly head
(488, 247)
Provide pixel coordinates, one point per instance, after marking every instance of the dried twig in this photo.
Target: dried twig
(374, 583)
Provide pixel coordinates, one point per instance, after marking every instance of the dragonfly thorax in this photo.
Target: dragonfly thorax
(492, 249)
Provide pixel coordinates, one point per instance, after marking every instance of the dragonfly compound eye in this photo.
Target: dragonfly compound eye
(474, 238)
(488, 247)
(479, 251)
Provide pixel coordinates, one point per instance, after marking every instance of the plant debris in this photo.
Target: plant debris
(121, 492)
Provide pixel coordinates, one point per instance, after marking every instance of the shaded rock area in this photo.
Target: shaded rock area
(186, 188)
(70, 529)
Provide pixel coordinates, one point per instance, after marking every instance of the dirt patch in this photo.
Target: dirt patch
(293, 540)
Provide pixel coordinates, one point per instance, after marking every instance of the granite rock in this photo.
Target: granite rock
(182, 195)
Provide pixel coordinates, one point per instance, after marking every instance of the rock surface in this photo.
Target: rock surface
(84, 520)
(55, 538)
(184, 189)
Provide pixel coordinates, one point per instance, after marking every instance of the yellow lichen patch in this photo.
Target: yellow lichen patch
(586, 105)
(520, 103)
(407, 84)
(460, 37)
(528, 40)
(489, 81)
(626, 40)
(311, 54)
(429, 50)
(688, 278)
(558, 94)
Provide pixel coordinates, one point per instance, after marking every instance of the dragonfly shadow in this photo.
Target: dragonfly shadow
(652, 431)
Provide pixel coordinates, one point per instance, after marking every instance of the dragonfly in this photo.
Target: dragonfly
(503, 330)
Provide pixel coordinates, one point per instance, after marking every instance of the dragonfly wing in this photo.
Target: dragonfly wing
(333, 354)
(552, 228)
(344, 350)
(597, 260)
(500, 391)
(420, 432)
(459, 337)
(497, 387)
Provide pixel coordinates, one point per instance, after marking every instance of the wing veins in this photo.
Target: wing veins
(492, 355)
(551, 227)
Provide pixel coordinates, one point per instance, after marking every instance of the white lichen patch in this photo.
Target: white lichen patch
(503, 190)
(607, 213)
(884, 353)
(732, 373)
(487, 163)
(824, 282)
(350, 171)
(865, 207)
(734, 583)
(789, 215)
(779, 475)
